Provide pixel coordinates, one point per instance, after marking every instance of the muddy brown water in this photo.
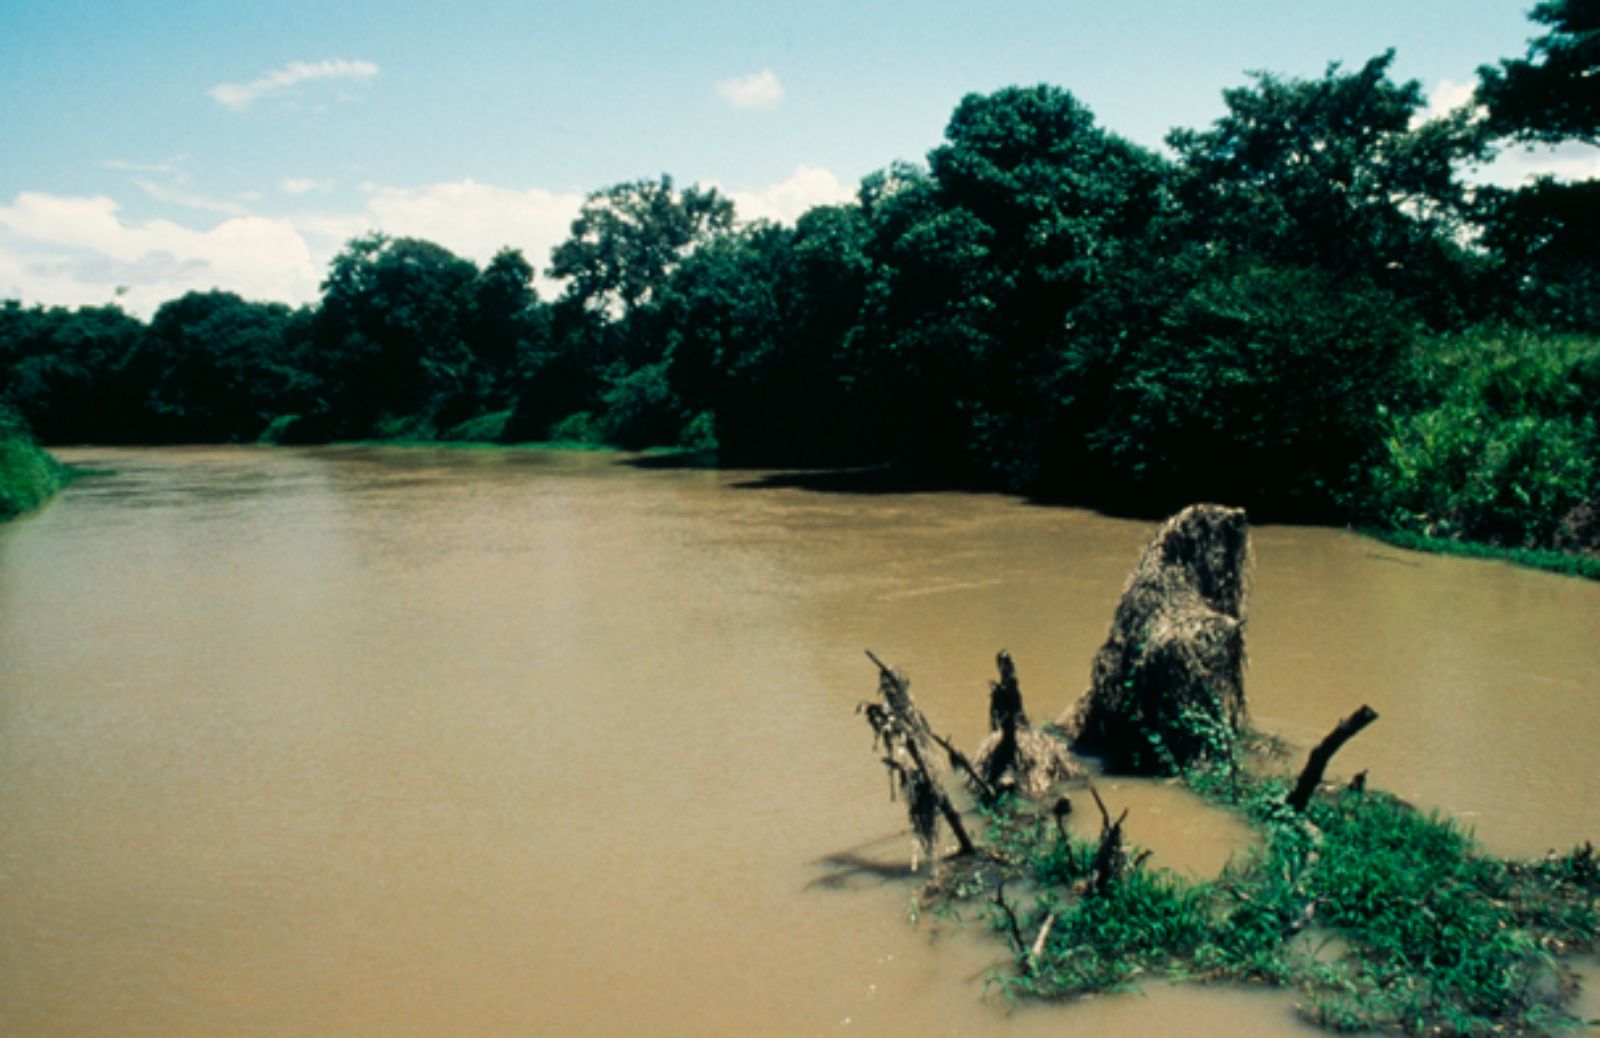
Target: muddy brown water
(355, 741)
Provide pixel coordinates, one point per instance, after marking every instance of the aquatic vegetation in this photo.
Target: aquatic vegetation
(1379, 915)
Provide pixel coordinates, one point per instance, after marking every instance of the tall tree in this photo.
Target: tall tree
(214, 367)
(508, 328)
(1543, 236)
(1334, 173)
(981, 260)
(391, 333)
(65, 371)
(628, 238)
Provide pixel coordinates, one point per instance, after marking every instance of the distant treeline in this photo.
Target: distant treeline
(1302, 309)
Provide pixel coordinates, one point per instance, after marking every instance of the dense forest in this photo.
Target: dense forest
(1303, 308)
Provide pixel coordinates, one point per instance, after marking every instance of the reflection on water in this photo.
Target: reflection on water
(360, 741)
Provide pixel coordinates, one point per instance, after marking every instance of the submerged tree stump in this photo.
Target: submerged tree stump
(1168, 684)
(903, 734)
(1016, 755)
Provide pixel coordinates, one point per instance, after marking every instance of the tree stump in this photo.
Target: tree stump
(1170, 676)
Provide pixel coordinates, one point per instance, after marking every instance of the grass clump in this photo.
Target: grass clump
(1380, 916)
(28, 475)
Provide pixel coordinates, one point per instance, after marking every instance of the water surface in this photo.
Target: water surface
(404, 742)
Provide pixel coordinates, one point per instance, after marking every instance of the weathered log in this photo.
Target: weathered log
(1317, 763)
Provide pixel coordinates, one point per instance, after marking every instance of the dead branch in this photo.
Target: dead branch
(959, 761)
(1111, 857)
(1011, 917)
(1317, 763)
(899, 726)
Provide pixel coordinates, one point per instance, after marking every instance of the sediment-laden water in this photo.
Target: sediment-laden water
(403, 742)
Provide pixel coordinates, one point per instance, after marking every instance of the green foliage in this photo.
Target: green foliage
(641, 410)
(214, 367)
(580, 429)
(978, 264)
(1334, 174)
(28, 476)
(1257, 385)
(1504, 442)
(629, 237)
(1552, 94)
(1434, 936)
(488, 428)
(390, 334)
(700, 434)
(279, 430)
(66, 371)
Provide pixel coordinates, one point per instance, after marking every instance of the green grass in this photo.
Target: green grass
(28, 476)
(1379, 916)
(1548, 559)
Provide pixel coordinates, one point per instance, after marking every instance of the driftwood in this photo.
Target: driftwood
(1170, 675)
(1016, 755)
(1317, 763)
(904, 735)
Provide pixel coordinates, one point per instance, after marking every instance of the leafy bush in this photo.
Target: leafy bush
(1502, 443)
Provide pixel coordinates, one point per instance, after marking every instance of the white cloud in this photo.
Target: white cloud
(73, 250)
(1516, 166)
(239, 96)
(759, 90)
(303, 185)
(784, 202)
(168, 166)
(1446, 96)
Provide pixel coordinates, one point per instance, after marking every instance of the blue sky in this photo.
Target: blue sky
(156, 147)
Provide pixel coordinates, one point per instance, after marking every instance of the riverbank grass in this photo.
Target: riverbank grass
(1380, 916)
(28, 475)
(1547, 559)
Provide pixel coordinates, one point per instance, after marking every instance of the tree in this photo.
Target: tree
(390, 334)
(755, 322)
(1253, 384)
(1543, 237)
(507, 328)
(980, 261)
(1333, 173)
(213, 367)
(1552, 94)
(628, 238)
(64, 370)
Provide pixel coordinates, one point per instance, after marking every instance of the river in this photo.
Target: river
(362, 741)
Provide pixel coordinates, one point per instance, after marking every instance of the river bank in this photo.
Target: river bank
(29, 475)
